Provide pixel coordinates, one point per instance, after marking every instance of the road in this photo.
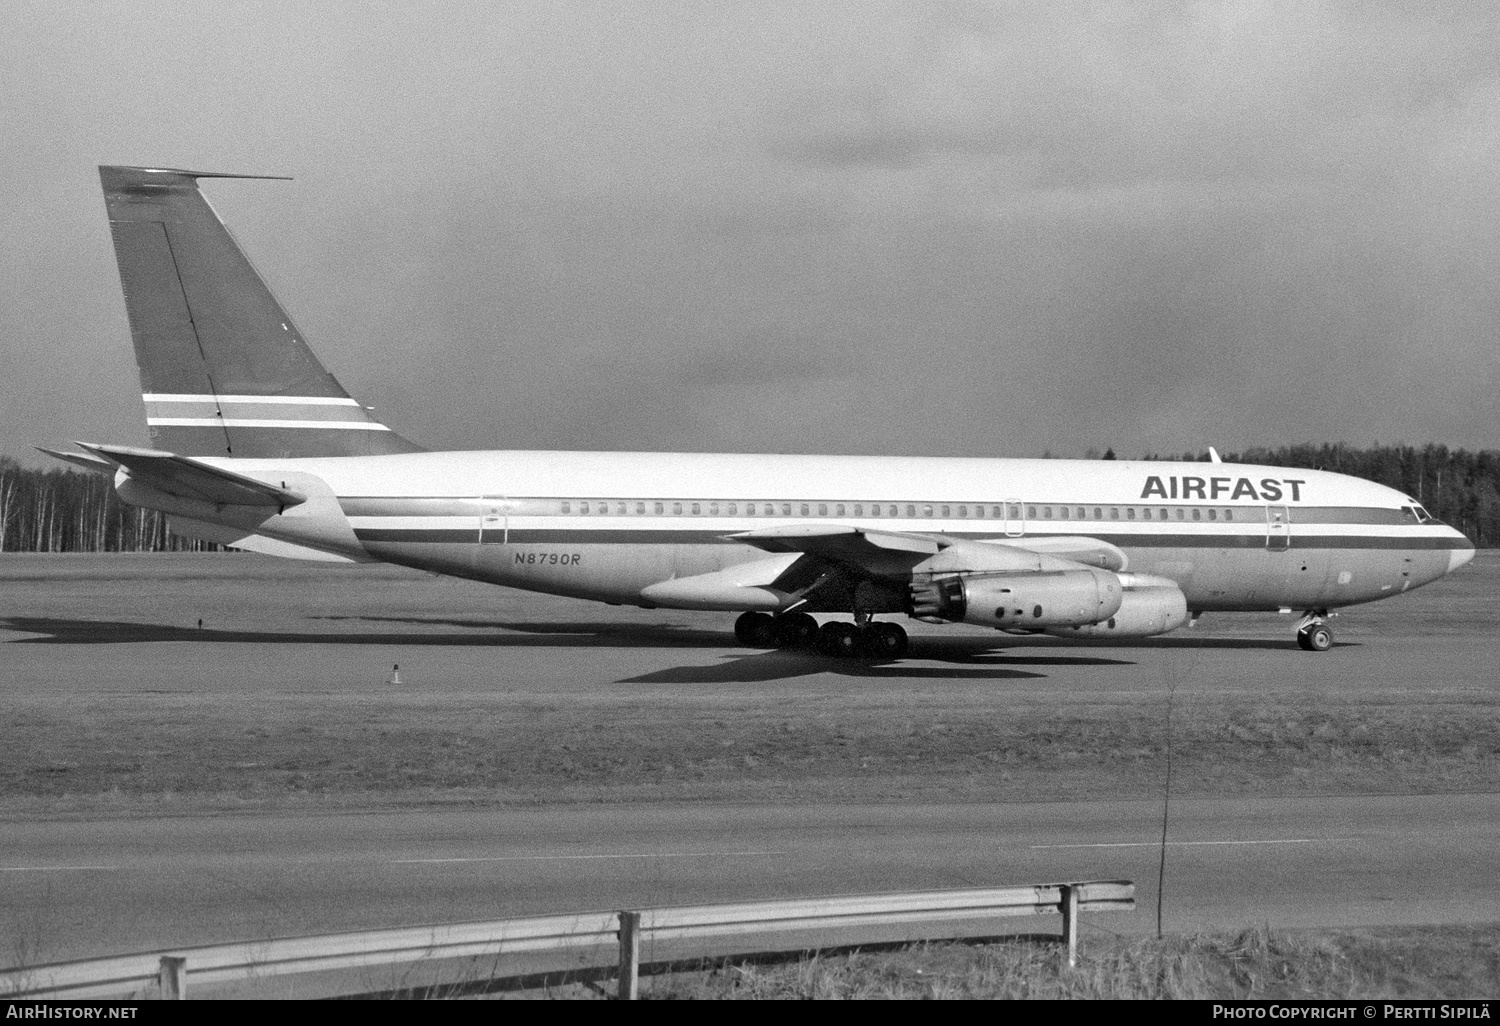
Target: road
(98, 887)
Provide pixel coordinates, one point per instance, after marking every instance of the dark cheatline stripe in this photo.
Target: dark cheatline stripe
(1349, 515)
(390, 506)
(567, 536)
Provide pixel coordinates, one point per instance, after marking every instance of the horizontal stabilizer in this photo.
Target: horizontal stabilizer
(188, 478)
(236, 538)
(80, 459)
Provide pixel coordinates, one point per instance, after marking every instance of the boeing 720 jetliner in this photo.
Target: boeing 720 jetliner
(257, 446)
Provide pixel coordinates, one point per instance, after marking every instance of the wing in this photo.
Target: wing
(894, 554)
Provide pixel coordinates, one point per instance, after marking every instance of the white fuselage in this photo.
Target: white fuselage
(605, 525)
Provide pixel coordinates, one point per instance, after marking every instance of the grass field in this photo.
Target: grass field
(1414, 963)
(118, 700)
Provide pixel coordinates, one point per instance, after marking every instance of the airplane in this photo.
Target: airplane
(256, 446)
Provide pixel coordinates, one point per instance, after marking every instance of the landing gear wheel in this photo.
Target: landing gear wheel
(1315, 637)
(837, 639)
(884, 641)
(794, 630)
(756, 630)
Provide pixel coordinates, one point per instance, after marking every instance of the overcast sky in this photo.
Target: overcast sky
(917, 228)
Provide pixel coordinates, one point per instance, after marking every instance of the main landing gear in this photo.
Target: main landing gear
(836, 638)
(1313, 633)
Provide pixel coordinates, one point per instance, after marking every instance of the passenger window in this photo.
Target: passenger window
(567, 507)
(838, 510)
(822, 509)
(979, 512)
(946, 512)
(998, 511)
(1130, 514)
(911, 510)
(893, 511)
(732, 510)
(1213, 514)
(658, 508)
(640, 509)
(620, 508)
(583, 507)
(749, 509)
(927, 511)
(1161, 514)
(1062, 512)
(713, 509)
(963, 511)
(1030, 512)
(1098, 513)
(1229, 514)
(677, 509)
(1083, 514)
(806, 510)
(697, 508)
(1046, 512)
(1015, 512)
(786, 509)
(1197, 513)
(1179, 512)
(874, 509)
(1114, 513)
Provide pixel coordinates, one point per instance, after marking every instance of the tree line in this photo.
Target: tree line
(77, 511)
(70, 511)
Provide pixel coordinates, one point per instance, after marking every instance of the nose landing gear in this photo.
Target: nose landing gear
(1313, 633)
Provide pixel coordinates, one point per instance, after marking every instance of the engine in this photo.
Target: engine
(1150, 605)
(1020, 601)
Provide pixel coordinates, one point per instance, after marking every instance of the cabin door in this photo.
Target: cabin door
(1278, 529)
(494, 524)
(1015, 520)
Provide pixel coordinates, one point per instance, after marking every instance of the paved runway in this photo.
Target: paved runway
(111, 886)
(110, 684)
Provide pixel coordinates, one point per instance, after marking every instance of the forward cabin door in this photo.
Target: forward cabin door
(1278, 529)
(494, 523)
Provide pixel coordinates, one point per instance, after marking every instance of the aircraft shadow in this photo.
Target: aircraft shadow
(105, 632)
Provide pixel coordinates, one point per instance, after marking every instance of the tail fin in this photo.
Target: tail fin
(224, 371)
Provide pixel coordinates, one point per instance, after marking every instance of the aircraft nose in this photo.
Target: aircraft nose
(1458, 557)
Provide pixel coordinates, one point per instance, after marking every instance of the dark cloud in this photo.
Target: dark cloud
(960, 228)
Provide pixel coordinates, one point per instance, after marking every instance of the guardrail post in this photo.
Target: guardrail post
(630, 954)
(171, 978)
(1068, 906)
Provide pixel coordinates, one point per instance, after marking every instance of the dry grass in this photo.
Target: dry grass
(290, 749)
(1429, 962)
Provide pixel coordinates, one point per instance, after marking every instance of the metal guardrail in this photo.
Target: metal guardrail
(170, 971)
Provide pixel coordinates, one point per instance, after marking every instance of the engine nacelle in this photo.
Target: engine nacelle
(1150, 605)
(1020, 601)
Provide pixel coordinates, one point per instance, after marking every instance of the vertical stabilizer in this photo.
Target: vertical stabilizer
(224, 371)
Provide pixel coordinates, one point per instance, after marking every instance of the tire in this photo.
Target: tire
(884, 641)
(794, 630)
(1319, 638)
(755, 630)
(837, 639)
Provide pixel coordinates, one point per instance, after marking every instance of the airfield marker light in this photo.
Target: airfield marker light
(396, 675)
